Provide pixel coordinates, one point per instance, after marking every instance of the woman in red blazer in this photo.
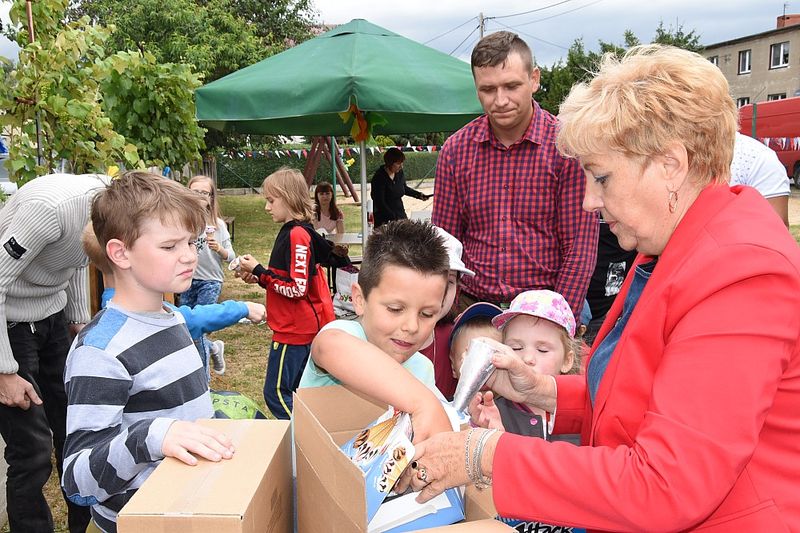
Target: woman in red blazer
(689, 410)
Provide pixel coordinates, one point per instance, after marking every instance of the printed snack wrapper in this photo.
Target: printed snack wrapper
(382, 451)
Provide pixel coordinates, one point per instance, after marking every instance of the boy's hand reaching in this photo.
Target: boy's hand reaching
(484, 413)
(186, 438)
(257, 313)
(247, 262)
(429, 419)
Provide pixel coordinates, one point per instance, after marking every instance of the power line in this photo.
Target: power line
(465, 40)
(450, 31)
(559, 14)
(532, 10)
(532, 36)
(470, 44)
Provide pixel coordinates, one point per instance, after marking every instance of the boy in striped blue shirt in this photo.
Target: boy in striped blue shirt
(134, 382)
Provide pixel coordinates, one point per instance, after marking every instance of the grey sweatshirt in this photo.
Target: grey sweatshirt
(42, 263)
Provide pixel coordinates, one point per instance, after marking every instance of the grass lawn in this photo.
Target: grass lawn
(245, 345)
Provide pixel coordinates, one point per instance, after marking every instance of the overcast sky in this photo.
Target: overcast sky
(551, 28)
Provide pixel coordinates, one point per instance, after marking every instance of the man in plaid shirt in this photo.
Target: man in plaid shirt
(504, 191)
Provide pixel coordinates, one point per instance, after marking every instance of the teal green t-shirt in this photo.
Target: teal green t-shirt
(419, 365)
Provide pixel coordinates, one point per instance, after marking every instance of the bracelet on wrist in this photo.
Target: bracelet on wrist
(467, 464)
(481, 482)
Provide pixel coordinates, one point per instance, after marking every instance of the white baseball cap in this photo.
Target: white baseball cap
(454, 249)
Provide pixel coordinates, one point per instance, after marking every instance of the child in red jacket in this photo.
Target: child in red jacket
(298, 299)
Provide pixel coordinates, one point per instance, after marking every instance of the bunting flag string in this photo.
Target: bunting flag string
(302, 153)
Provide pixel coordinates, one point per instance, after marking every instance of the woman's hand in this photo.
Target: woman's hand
(442, 457)
(484, 413)
(520, 383)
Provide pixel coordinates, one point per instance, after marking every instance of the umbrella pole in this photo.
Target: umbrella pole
(362, 145)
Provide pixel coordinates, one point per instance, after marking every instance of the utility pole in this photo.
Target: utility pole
(482, 24)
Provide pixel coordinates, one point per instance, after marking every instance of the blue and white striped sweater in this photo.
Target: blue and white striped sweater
(128, 377)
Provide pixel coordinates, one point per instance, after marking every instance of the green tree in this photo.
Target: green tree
(677, 37)
(557, 80)
(151, 104)
(55, 83)
(280, 23)
(216, 37)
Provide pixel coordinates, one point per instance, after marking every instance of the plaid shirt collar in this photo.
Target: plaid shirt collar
(534, 134)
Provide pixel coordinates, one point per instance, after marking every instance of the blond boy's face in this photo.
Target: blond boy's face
(162, 259)
(401, 311)
(276, 206)
(461, 342)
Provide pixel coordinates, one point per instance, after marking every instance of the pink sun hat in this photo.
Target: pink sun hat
(539, 303)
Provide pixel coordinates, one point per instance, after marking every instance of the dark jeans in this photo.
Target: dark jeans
(284, 369)
(41, 349)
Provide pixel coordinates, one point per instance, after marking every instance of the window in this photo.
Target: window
(744, 62)
(776, 96)
(741, 101)
(714, 60)
(779, 55)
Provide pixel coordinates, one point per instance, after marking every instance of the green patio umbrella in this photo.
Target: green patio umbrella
(389, 84)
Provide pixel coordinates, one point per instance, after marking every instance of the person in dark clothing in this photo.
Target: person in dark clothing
(389, 187)
(613, 263)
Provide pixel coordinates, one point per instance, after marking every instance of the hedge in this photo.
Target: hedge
(250, 171)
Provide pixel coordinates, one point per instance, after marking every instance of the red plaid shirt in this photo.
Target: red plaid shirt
(517, 211)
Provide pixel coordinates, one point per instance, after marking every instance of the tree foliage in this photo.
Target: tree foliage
(556, 81)
(56, 82)
(677, 36)
(216, 37)
(151, 104)
(280, 23)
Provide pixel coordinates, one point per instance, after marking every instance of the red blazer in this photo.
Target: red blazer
(697, 418)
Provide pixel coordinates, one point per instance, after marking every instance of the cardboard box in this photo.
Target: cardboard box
(330, 488)
(252, 492)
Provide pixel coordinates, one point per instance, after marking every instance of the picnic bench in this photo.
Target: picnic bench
(230, 221)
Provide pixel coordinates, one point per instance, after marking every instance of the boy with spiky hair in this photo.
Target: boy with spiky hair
(398, 298)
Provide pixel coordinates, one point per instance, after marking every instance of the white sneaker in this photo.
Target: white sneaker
(218, 358)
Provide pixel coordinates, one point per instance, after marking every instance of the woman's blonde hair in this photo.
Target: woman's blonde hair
(652, 96)
(214, 211)
(290, 185)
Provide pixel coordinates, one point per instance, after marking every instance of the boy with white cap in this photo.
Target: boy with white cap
(437, 347)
